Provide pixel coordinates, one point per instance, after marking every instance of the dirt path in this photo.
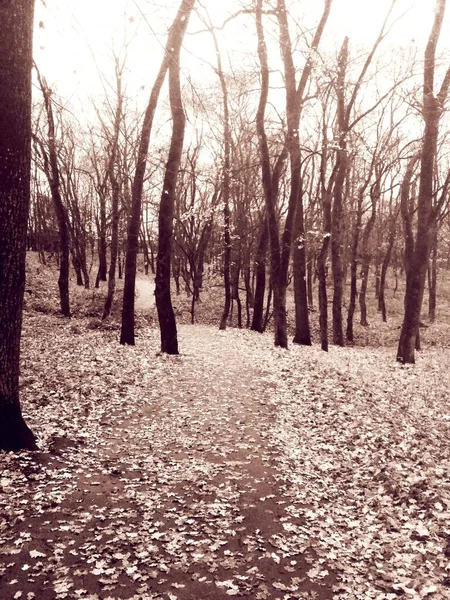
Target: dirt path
(175, 494)
(145, 293)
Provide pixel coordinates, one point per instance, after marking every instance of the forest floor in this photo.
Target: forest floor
(233, 469)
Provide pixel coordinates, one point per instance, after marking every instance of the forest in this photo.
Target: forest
(225, 302)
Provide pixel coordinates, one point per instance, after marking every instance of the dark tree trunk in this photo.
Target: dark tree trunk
(309, 280)
(166, 316)
(302, 330)
(337, 211)
(115, 193)
(225, 190)
(15, 164)
(235, 292)
(52, 172)
(280, 250)
(102, 245)
(416, 275)
(365, 253)
(77, 268)
(260, 287)
(432, 278)
(354, 271)
(382, 291)
(134, 222)
(249, 301)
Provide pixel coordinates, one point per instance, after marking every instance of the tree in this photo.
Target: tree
(134, 223)
(16, 35)
(280, 250)
(432, 108)
(295, 98)
(166, 315)
(52, 172)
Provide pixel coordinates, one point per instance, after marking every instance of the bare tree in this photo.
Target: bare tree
(49, 154)
(134, 223)
(432, 108)
(166, 316)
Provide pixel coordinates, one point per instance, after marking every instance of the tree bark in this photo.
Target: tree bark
(260, 267)
(52, 172)
(336, 219)
(365, 252)
(16, 36)
(431, 112)
(166, 316)
(115, 193)
(134, 224)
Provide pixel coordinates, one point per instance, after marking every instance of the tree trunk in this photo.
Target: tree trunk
(336, 222)
(102, 246)
(415, 279)
(302, 330)
(134, 223)
(15, 164)
(260, 267)
(166, 316)
(52, 172)
(354, 270)
(115, 193)
(432, 278)
(365, 253)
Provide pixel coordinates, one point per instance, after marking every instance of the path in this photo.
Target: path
(145, 293)
(175, 494)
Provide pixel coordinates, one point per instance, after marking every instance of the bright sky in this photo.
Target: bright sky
(75, 39)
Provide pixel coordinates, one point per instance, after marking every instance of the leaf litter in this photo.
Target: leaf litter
(234, 469)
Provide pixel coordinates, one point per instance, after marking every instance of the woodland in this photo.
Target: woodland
(225, 316)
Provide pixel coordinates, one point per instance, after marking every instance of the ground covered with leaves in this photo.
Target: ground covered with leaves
(234, 469)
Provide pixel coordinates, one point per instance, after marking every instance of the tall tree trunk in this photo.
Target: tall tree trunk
(431, 111)
(354, 269)
(384, 267)
(365, 252)
(166, 316)
(302, 329)
(115, 193)
(52, 172)
(432, 276)
(16, 36)
(294, 218)
(134, 222)
(336, 219)
(260, 286)
(225, 187)
(102, 245)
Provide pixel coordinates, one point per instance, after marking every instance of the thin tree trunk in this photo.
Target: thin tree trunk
(302, 329)
(166, 316)
(115, 193)
(336, 220)
(432, 278)
(354, 270)
(127, 330)
(53, 175)
(260, 267)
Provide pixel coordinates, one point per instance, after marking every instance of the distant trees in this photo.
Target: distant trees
(16, 36)
(307, 195)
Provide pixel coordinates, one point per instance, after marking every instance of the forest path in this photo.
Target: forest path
(163, 482)
(145, 292)
(234, 469)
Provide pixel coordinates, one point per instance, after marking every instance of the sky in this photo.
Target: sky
(75, 39)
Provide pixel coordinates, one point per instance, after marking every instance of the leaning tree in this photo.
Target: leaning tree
(432, 109)
(16, 35)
